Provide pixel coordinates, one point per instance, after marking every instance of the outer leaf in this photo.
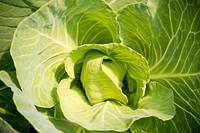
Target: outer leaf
(98, 117)
(11, 13)
(25, 105)
(136, 28)
(9, 112)
(158, 101)
(179, 68)
(155, 125)
(41, 122)
(110, 115)
(42, 41)
(173, 54)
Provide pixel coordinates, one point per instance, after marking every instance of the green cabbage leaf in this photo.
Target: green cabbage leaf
(169, 38)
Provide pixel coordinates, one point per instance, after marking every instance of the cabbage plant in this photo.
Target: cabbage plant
(107, 66)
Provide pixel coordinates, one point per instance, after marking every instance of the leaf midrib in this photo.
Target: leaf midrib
(48, 37)
(172, 75)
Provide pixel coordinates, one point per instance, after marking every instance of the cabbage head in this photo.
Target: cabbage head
(106, 66)
(108, 88)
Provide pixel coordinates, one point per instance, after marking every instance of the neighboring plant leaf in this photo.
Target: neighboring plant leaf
(16, 120)
(6, 97)
(10, 16)
(173, 53)
(5, 127)
(9, 112)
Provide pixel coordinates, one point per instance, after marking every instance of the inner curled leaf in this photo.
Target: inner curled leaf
(102, 70)
(102, 80)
